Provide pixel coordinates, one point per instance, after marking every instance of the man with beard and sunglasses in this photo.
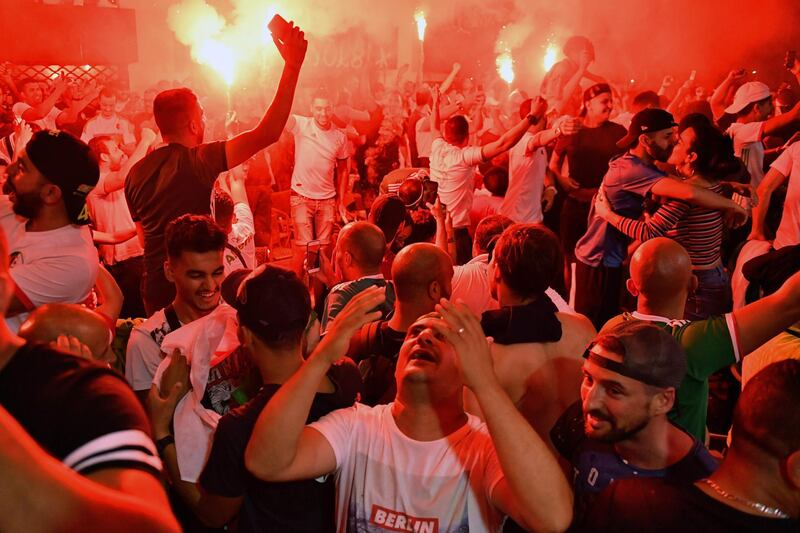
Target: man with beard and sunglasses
(620, 428)
(51, 254)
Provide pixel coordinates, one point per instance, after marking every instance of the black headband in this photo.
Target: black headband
(621, 369)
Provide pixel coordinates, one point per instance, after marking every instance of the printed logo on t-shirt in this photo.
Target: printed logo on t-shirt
(15, 259)
(398, 521)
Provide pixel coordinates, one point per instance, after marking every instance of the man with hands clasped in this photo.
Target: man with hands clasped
(421, 462)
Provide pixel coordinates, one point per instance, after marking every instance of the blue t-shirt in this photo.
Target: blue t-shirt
(596, 465)
(626, 183)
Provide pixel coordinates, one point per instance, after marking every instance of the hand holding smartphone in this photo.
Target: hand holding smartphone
(312, 262)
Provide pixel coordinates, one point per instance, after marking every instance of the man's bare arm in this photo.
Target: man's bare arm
(242, 147)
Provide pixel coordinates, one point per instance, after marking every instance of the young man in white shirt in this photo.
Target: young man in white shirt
(37, 109)
(109, 213)
(195, 245)
(753, 108)
(319, 180)
(453, 165)
(530, 188)
(52, 256)
(108, 122)
(420, 463)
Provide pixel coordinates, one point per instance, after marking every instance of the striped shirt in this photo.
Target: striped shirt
(697, 229)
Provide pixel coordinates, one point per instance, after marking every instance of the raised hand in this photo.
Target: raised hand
(161, 402)
(72, 345)
(584, 59)
(462, 329)
(357, 312)
(293, 49)
(539, 108)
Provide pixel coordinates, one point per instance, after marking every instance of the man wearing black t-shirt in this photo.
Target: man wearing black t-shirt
(587, 154)
(178, 178)
(422, 274)
(620, 429)
(273, 308)
(56, 411)
(755, 488)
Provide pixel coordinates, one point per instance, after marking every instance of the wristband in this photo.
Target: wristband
(162, 443)
(532, 119)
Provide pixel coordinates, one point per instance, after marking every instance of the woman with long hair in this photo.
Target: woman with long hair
(703, 157)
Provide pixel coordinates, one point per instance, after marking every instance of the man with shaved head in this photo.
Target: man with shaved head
(661, 278)
(422, 274)
(51, 321)
(357, 260)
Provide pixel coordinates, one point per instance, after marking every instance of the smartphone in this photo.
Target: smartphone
(693, 75)
(279, 27)
(313, 249)
(791, 57)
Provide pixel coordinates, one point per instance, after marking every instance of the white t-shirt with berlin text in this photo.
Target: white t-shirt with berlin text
(453, 168)
(315, 154)
(386, 481)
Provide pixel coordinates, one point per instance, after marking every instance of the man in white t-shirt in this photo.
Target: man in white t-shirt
(52, 257)
(195, 245)
(320, 166)
(786, 167)
(453, 165)
(37, 109)
(471, 283)
(110, 214)
(530, 188)
(108, 122)
(753, 108)
(420, 463)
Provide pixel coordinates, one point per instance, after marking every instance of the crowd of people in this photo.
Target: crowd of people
(500, 312)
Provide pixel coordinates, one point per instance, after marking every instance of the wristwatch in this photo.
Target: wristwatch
(163, 442)
(533, 119)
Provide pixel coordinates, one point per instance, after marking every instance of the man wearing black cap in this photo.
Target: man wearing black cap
(273, 308)
(620, 428)
(630, 177)
(52, 257)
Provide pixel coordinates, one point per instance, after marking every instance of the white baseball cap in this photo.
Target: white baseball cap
(752, 91)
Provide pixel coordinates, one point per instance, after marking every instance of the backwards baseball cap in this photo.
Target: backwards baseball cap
(68, 163)
(596, 90)
(271, 301)
(647, 120)
(650, 354)
(752, 91)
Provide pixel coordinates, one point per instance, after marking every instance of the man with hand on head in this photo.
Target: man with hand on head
(421, 461)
